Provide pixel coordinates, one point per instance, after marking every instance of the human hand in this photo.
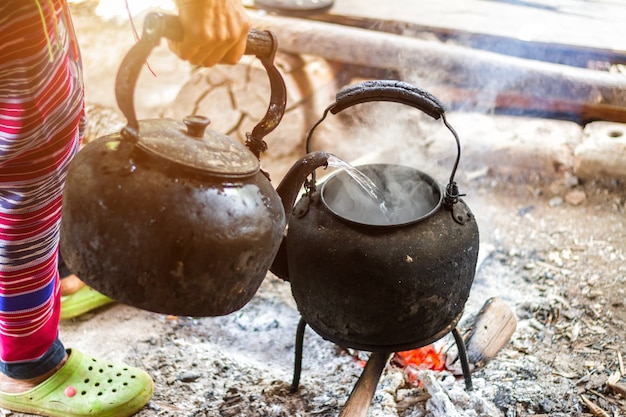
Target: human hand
(215, 31)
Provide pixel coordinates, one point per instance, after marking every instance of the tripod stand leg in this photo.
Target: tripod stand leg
(297, 367)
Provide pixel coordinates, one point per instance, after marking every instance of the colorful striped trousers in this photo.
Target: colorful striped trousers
(41, 109)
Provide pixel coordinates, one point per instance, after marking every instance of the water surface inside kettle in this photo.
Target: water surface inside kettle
(380, 194)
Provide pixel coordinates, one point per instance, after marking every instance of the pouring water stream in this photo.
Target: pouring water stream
(379, 194)
(365, 182)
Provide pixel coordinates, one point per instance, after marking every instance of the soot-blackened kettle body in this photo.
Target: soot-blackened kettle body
(381, 287)
(170, 216)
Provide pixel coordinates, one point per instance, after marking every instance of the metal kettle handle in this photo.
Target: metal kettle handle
(398, 92)
(388, 90)
(261, 44)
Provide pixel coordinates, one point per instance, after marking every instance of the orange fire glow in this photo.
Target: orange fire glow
(427, 357)
(412, 361)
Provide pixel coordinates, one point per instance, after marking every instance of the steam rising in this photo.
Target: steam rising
(380, 194)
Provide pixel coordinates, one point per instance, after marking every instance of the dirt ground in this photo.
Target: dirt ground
(552, 247)
(560, 267)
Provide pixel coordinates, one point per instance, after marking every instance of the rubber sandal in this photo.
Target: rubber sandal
(82, 301)
(85, 386)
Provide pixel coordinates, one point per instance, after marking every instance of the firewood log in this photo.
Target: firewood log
(463, 75)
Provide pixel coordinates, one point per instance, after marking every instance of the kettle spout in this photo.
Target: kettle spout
(288, 190)
(290, 186)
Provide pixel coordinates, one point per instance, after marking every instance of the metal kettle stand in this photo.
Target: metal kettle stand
(297, 369)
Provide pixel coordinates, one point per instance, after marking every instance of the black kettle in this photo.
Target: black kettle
(379, 283)
(170, 216)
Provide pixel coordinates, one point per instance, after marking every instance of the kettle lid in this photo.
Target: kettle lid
(190, 145)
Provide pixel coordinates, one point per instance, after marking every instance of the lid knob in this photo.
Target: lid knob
(196, 125)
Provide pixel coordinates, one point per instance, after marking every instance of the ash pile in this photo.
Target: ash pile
(242, 365)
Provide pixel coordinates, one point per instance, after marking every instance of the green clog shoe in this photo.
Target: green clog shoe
(83, 387)
(82, 301)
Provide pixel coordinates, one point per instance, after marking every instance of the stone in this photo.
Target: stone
(576, 197)
(602, 153)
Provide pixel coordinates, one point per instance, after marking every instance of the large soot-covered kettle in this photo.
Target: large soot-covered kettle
(381, 278)
(170, 216)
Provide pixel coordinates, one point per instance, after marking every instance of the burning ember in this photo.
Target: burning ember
(427, 357)
(413, 361)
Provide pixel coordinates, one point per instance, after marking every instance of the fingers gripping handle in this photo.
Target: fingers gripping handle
(259, 43)
(388, 90)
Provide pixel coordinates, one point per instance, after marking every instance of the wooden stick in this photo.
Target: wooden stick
(614, 385)
(361, 397)
(617, 388)
(582, 94)
(595, 410)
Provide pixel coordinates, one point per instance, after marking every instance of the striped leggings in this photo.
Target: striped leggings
(41, 109)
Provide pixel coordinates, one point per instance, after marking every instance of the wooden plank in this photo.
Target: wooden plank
(580, 95)
(598, 23)
(557, 53)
